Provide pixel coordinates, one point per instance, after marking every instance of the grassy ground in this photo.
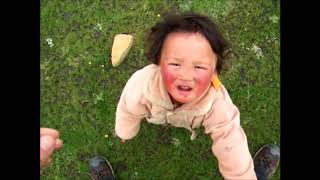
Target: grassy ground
(80, 89)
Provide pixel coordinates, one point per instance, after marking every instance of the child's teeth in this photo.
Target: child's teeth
(184, 87)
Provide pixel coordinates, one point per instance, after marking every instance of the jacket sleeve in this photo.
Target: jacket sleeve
(229, 140)
(130, 109)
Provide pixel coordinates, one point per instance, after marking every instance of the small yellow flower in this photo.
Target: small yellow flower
(106, 136)
(158, 15)
(89, 62)
(102, 66)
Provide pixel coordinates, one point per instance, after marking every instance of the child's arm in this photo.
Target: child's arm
(130, 110)
(229, 140)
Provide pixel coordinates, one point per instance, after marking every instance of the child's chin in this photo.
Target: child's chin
(183, 100)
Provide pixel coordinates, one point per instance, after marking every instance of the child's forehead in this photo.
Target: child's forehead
(190, 44)
(190, 41)
(182, 35)
(199, 60)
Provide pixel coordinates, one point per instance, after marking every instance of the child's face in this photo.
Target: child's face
(187, 64)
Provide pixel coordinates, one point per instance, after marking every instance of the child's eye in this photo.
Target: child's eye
(174, 64)
(200, 67)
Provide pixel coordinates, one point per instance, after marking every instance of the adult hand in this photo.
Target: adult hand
(49, 141)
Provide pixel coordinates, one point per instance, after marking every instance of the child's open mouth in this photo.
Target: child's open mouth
(184, 88)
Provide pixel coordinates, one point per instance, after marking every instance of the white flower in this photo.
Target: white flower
(98, 98)
(102, 66)
(89, 62)
(274, 18)
(257, 51)
(158, 15)
(98, 27)
(175, 141)
(49, 42)
(106, 136)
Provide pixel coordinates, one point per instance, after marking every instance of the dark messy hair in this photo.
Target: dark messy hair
(187, 22)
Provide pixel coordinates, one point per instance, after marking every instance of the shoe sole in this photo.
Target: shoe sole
(260, 151)
(108, 165)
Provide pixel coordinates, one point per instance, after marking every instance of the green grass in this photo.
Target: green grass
(80, 88)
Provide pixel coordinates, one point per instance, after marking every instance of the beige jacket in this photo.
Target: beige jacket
(145, 96)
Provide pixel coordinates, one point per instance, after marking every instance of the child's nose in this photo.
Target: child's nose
(186, 74)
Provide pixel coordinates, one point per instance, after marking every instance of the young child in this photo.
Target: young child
(181, 87)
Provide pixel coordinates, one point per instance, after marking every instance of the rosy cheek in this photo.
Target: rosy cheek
(168, 77)
(203, 81)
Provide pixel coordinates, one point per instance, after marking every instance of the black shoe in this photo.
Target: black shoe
(266, 161)
(100, 169)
